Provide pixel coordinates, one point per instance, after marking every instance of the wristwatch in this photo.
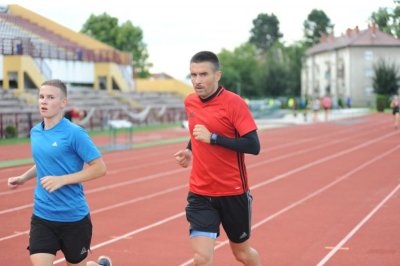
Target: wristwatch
(213, 139)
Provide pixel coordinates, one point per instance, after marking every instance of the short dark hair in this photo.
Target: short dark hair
(56, 83)
(206, 56)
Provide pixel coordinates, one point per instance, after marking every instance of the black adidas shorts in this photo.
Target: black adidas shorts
(72, 238)
(205, 213)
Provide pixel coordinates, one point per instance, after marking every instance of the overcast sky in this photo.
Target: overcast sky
(176, 29)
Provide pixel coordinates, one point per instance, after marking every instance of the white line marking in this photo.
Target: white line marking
(312, 195)
(131, 233)
(357, 227)
(274, 179)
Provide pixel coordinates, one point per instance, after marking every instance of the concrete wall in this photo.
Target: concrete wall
(347, 72)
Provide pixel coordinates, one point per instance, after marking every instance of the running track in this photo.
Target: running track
(324, 194)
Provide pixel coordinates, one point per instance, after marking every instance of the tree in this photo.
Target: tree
(102, 27)
(129, 38)
(316, 25)
(274, 76)
(238, 70)
(125, 37)
(293, 55)
(388, 20)
(386, 78)
(265, 31)
(279, 73)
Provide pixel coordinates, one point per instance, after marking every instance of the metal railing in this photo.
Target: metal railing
(23, 121)
(27, 46)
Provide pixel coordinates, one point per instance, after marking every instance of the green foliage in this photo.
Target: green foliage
(252, 75)
(10, 132)
(280, 73)
(125, 37)
(265, 31)
(102, 27)
(381, 102)
(316, 25)
(238, 70)
(386, 78)
(294, 59)
(388, 20)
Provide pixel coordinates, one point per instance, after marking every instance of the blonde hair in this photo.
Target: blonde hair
(58, 84)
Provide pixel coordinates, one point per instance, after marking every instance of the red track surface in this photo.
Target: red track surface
(324, 194)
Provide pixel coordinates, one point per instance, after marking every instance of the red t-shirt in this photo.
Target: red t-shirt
(218, 171)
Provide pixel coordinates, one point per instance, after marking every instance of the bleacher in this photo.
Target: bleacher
(19, 36)
(22, 110)
(19, 107)
(156, 99)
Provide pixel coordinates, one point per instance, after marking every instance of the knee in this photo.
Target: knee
(202, 259)
(240, 255)
(247, 256)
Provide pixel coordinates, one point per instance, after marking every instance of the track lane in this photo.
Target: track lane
(181, 195)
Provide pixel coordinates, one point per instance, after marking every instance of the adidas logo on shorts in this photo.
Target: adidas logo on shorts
(243, 235)
(83, 251)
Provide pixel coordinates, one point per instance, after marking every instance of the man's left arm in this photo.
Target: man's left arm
(248, 143)
(96, 168)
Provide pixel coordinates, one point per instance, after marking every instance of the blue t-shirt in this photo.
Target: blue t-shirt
(61, 150)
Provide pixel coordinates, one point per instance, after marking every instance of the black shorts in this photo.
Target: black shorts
(395, 110)
(72, 238)
(205, 213)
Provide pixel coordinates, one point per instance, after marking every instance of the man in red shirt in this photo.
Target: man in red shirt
(222, 130)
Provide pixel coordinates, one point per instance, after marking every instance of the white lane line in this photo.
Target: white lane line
(114, 206)
(15, 235)
(357, 227)
(99, 189)
(131, 157)
(274, 179)
(131, 233)
(310, 196)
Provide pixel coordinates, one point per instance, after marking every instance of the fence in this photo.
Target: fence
(23, 121)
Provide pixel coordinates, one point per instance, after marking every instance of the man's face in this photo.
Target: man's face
(51, 101)
(204, 78)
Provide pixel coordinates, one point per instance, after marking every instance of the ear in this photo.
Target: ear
(64, 102)
(218, 75)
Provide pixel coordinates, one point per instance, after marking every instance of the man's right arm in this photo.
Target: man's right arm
(184, 157)
(14, 181)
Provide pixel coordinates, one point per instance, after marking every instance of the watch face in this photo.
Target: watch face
(213, 138)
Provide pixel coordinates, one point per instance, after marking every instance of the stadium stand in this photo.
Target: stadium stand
(39, 42)
(99, 77)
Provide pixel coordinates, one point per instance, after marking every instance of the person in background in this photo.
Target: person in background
(348, 102)
(75, 115)
(293, 106)
(340, 102)
(326, 104)
(316, 105)
(394, 104)
(305, 105)
(61, 219)
(222, 130)
(72, 114)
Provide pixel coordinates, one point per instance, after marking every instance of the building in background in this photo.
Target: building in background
(343, 66)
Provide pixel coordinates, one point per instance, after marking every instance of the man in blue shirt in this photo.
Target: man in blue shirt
(61, 219)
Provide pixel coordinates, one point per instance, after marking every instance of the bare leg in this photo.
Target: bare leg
(244, 253)
(42, 259)
(203, 250)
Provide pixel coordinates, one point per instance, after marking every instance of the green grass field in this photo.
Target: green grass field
(142, 128)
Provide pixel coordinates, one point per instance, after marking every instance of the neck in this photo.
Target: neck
(217, 90)
(51, 122)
